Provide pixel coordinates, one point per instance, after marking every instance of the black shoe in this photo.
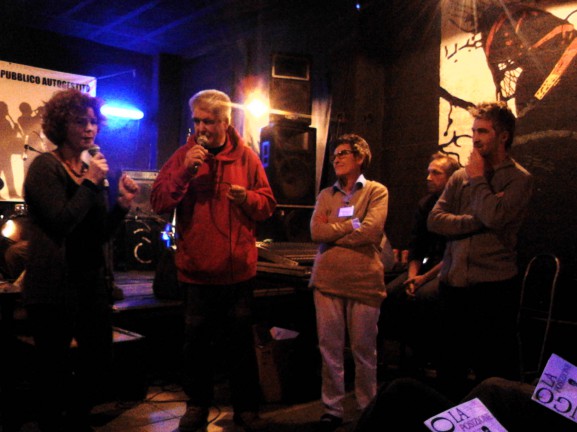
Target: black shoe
(328, 423)
(250, 421)
(194, 419)
(117, 294)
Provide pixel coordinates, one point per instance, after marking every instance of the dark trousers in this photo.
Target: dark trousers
(412, 320)
(218, 331)
(68, 382)
(478, 333)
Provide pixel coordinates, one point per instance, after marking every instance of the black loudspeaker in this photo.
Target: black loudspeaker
(138, 244)
(141, 204)
(288, 154)
(290, 89)
(290, 224)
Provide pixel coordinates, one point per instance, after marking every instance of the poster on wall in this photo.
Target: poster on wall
(23, 92)
(523, 53)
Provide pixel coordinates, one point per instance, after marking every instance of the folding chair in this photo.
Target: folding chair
(535, 316)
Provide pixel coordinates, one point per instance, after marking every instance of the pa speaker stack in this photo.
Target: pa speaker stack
(288, 154)
(288, 149)
(288, 143)
(290, 89)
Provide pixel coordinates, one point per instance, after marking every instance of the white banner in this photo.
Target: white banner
(23, 92)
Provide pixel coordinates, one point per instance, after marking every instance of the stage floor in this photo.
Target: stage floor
(136, 286)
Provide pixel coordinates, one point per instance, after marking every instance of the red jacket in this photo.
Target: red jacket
(216, 239)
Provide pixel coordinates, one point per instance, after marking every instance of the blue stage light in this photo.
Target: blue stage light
(122, 112)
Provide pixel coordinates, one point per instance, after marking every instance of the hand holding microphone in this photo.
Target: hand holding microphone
(196, 154)
(97, 167)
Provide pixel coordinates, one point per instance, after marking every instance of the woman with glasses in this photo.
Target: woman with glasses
(348, 276)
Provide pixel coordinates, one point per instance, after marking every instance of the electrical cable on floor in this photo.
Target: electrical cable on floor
(170, 388)
(177, 388)
(218, 414)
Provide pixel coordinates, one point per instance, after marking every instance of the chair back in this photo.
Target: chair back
(536, 308)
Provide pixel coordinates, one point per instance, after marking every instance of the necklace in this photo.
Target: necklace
(83, 167)
(77, 174)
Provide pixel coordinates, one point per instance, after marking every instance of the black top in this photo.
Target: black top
(424, 243)
(70, 224)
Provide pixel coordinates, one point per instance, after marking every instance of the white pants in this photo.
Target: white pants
(335, 316)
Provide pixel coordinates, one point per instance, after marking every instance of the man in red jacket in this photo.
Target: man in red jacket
(220, 191)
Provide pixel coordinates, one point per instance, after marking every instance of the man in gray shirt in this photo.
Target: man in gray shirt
(480, 212)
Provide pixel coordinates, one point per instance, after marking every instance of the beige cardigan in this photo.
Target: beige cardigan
(348, 262)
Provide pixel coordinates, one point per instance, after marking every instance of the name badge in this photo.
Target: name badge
(346, 211)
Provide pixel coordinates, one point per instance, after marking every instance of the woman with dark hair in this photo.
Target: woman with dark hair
(65, 290)
(348, 280)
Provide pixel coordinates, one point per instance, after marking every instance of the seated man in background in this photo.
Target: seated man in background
(414, 321)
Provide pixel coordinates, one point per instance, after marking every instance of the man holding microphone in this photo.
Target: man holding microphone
(219, 189)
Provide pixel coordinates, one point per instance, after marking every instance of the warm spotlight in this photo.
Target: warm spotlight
(10, 230)
(256, 106)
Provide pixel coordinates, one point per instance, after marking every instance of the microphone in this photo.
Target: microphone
(203, 141)
(25, 154)
(92, 152)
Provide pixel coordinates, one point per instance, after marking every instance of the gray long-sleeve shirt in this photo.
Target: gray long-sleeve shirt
(481, 220)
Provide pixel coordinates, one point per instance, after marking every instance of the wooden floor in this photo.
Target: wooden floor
(147, 396)
(136, 287)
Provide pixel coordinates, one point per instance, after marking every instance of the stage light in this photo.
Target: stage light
(122, 112)
(11, 230)
(256, 106)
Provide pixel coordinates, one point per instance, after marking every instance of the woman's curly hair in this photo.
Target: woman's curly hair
(66, 105)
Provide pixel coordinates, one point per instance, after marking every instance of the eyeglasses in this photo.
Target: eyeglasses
(207, 122)
(341, 154)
